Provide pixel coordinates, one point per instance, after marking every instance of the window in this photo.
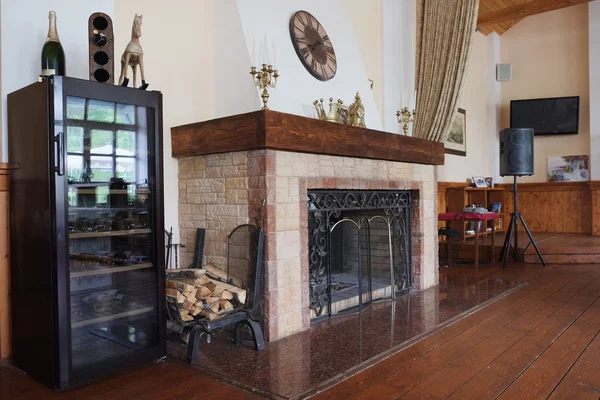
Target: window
(101, 141)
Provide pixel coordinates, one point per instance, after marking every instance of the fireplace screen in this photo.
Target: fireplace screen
(359, 248)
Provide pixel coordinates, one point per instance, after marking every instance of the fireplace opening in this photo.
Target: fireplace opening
(359, 249)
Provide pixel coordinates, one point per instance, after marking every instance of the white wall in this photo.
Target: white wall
(494, 106)
(234, 91)
(476, 100)
(368, 31)
(398, 18)
(594, 46)
(179, 49)
(550, 57)
(297, 89)
(24, 27)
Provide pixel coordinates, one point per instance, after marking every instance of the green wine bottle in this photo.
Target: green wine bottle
(53, 55)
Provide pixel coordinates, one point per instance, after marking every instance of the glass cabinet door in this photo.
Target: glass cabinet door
(113, 291)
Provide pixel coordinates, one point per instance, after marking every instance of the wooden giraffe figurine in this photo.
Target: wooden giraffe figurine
(133, 55)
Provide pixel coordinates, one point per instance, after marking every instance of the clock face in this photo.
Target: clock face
(313, 46)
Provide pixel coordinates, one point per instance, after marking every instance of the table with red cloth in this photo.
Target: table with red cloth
(471, 216)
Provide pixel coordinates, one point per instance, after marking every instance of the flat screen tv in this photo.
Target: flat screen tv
(555, 116)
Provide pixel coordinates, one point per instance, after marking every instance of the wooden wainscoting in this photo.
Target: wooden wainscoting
(5, 340)
(557, 207)
(560, 207)
(595, 194)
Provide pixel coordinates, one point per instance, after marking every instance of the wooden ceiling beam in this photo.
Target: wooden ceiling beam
(523, 10)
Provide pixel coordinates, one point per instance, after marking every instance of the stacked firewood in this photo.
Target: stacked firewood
(203, 292)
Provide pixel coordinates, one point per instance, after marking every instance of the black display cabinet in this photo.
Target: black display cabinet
(87, 230)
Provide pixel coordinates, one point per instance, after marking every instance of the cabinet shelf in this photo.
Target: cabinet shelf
(110, 317)
(93, 191)
(139, 210)
(128, 232)
(476, 189)
(470, 235)
(104, 270)
(93, 184)
(457, 198)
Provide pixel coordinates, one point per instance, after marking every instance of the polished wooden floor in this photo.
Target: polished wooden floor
(539, 342)
(171, 380)
(557, 248)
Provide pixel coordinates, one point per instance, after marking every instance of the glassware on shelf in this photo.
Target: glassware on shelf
(142, 192)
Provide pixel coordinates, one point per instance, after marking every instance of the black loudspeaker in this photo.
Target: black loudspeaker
(516, 152)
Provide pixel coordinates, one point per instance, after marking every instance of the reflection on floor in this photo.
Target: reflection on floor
(557, 248)
(330, 351)
(345, 290)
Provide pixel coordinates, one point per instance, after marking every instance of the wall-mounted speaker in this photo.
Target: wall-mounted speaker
(516, 152)
(102, 48)
(503, 72)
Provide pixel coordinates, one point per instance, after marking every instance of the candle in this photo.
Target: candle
(274, 62)
(261, 55)
(266, 51)
(253, 52)
(414, 101)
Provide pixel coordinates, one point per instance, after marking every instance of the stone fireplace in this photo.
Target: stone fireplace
(220, 191)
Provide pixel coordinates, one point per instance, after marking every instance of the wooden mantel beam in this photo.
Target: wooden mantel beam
(267, 129)
(520, 11)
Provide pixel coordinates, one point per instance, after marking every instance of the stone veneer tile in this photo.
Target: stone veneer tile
(220, 191)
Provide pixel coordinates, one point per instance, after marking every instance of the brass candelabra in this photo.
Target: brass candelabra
(265, 79)
(406, 117)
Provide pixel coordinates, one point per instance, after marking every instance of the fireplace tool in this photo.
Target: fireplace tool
(172, 246)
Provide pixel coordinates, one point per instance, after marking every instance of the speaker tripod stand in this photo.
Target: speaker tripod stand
(514, 230)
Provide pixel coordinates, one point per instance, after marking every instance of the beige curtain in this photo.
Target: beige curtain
(445, 30)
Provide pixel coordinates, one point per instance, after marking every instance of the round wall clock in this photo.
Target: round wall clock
(313, 46)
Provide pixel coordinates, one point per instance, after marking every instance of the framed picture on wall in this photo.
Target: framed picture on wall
(456, 141)
(568, 169)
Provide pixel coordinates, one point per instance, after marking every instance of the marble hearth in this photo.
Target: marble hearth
(221, 186)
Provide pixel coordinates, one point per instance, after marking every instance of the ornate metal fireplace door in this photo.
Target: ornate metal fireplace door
(358, 249)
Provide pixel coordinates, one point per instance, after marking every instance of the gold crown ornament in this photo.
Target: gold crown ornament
(334, 110)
